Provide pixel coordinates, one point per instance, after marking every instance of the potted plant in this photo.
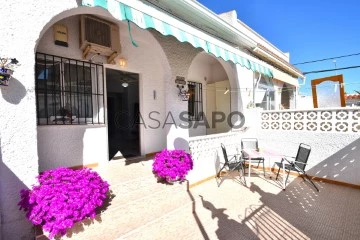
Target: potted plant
(6, 69)
(172, 165)
(63, 197)
(64, 115)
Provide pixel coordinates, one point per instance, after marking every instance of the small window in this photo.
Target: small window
(195, 105)
(68, 91)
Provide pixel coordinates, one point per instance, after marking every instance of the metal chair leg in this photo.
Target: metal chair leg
(302, 174)
(287, 177)
(263, 162)
(277, 175)
(311, 181)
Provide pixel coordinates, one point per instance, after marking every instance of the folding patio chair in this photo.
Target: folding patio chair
(251, 143)
(232, 162)
(297, 163)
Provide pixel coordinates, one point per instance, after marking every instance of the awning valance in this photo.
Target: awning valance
(180, 31)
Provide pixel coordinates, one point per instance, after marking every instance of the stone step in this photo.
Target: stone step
(127, 217)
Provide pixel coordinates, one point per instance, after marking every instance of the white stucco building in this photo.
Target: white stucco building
(68, 106)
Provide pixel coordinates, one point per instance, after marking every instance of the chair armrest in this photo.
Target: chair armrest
(300, 163)
(232, 156)
(292, 162)
(287, 160)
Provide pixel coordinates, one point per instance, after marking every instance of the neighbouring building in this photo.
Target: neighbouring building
(352, 100)
(100, 80)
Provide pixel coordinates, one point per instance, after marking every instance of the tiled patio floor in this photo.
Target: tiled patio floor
(264, 211)
(146, 210)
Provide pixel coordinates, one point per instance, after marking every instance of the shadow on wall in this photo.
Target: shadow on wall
(12, 221)
(61, 146)
(343, 166)
(13, 93)
(180, 143)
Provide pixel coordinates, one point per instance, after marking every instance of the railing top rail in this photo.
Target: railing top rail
(218, 135)
(312, 110)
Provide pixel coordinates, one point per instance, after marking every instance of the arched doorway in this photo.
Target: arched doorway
(72, 91)
(216, 95)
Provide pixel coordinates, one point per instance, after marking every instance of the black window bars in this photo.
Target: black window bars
(195, 105)
(68, 91)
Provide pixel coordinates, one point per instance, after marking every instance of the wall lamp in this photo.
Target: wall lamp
(183, 92)
(122, 62)
(6, 70)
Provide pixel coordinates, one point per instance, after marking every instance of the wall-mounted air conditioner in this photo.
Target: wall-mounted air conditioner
(99, 37)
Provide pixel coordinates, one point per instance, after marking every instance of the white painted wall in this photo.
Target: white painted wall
(304, 102)
(145, 60)
(245, 77)
(18, 147)
(206, 69)
(70, 146)
(333, 155)
(18, 134)
(28, 27)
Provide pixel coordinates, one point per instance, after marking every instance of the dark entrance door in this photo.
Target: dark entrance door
(123, 114)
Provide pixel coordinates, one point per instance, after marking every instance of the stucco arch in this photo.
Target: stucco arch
(228, 69)
(216, 77)
(148, 60)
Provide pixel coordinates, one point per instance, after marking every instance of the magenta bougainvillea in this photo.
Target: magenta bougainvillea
(62, 198)
(172, 165)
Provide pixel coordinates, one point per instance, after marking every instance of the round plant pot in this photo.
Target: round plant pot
(5, 75)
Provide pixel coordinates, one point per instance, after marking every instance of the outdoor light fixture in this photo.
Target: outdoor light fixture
(6, 70)
(183, 92)
(125, 84)
(122, 62)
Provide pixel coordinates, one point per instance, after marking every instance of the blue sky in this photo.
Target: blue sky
(308, 29)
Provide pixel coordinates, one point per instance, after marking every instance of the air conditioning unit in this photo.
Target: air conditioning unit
(99, 37)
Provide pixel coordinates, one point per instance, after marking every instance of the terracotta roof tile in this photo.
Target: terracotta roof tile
(352, 96)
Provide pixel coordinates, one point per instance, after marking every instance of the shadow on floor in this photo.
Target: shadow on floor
(264, 211)
(227, 227)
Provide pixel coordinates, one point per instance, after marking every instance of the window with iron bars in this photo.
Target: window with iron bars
(68, 91)
(195, 105)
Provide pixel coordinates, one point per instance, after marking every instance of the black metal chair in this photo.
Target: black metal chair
(297, 163)
(231, 162)
(253, 144)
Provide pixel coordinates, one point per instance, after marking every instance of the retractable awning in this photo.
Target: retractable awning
(183, 32)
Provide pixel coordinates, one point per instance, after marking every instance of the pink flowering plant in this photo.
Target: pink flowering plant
(62, 198)
(172, 165)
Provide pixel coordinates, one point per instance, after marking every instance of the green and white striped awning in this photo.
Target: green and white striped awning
(208, 43)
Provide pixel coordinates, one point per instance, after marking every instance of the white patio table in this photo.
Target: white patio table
(262, 153)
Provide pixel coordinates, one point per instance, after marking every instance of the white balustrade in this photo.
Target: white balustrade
(345, 120)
